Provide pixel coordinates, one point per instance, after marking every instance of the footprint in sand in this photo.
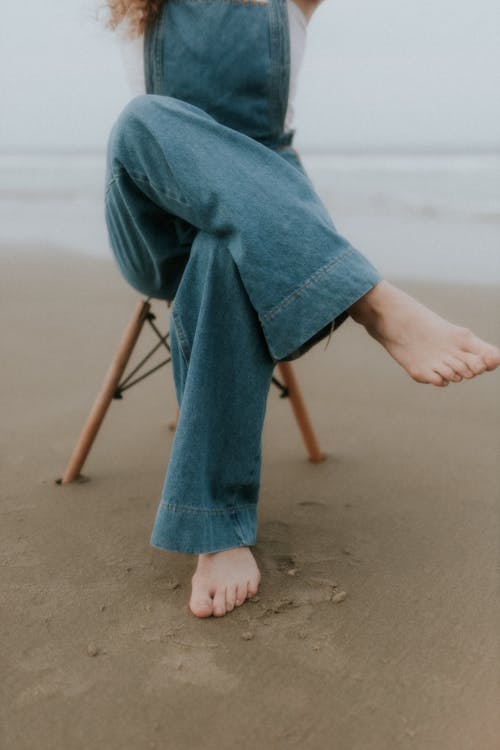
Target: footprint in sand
(191, 666)
(311, 504)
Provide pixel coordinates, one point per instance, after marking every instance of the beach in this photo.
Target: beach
(376, 626)
(418, 216)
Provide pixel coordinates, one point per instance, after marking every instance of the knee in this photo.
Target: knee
(139, 120)
(135, 113)
(129, 130)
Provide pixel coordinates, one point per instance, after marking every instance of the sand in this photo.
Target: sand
(376, 627)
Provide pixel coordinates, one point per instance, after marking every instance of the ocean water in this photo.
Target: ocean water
(418, 217)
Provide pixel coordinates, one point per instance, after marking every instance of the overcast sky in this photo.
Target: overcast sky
(389, 74)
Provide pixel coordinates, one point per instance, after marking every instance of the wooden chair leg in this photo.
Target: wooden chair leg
(101, 405)
(300, 411)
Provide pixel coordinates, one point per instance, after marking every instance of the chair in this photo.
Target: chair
(114, 387)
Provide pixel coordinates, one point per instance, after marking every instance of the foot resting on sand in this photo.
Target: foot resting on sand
(428, 347)
(223, 581)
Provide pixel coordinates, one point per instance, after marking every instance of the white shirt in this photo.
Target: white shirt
(133, 57)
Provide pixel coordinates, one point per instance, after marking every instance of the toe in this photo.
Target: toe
(241, 593)
(252, 588)
(460, 367)
(201, 604)
(487, 353)
(230, 598)
(448, 373)
(492, 358)
(426, 376)
(436, 379)
(220, 602)
(475, 363)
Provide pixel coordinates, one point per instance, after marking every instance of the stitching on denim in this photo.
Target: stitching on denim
(181, 335)
(240, 534)
(218, 511)
(144, 179)
(279, 73)
(153, 57)
(317, 275)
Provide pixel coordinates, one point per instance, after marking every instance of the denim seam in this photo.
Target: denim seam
(240, 534)
(143, 178)
(217, 511)
(153, 58)
(279, 73)
(311, 280)
(181, 335)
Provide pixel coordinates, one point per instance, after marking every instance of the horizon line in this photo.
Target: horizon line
(493, 150)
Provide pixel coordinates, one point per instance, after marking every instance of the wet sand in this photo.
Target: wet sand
(376, 627)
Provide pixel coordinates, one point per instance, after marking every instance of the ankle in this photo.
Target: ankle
(371, 303)
(208, 557)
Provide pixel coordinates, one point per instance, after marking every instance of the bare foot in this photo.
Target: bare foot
(428, 347)
(223, 581)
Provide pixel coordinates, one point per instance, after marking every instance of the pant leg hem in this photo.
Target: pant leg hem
(324, 297)
(200, 531)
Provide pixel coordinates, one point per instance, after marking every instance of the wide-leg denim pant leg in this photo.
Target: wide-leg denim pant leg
(266, 271)
(222, 372)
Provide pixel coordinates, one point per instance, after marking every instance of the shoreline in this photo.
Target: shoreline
(10, 252)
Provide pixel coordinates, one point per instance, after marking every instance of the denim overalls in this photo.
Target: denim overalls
(208, 204)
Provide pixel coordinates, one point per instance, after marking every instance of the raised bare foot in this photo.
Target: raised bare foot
(223, 581)
(428, 347)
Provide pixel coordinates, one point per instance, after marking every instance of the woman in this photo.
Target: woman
(208, 204)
